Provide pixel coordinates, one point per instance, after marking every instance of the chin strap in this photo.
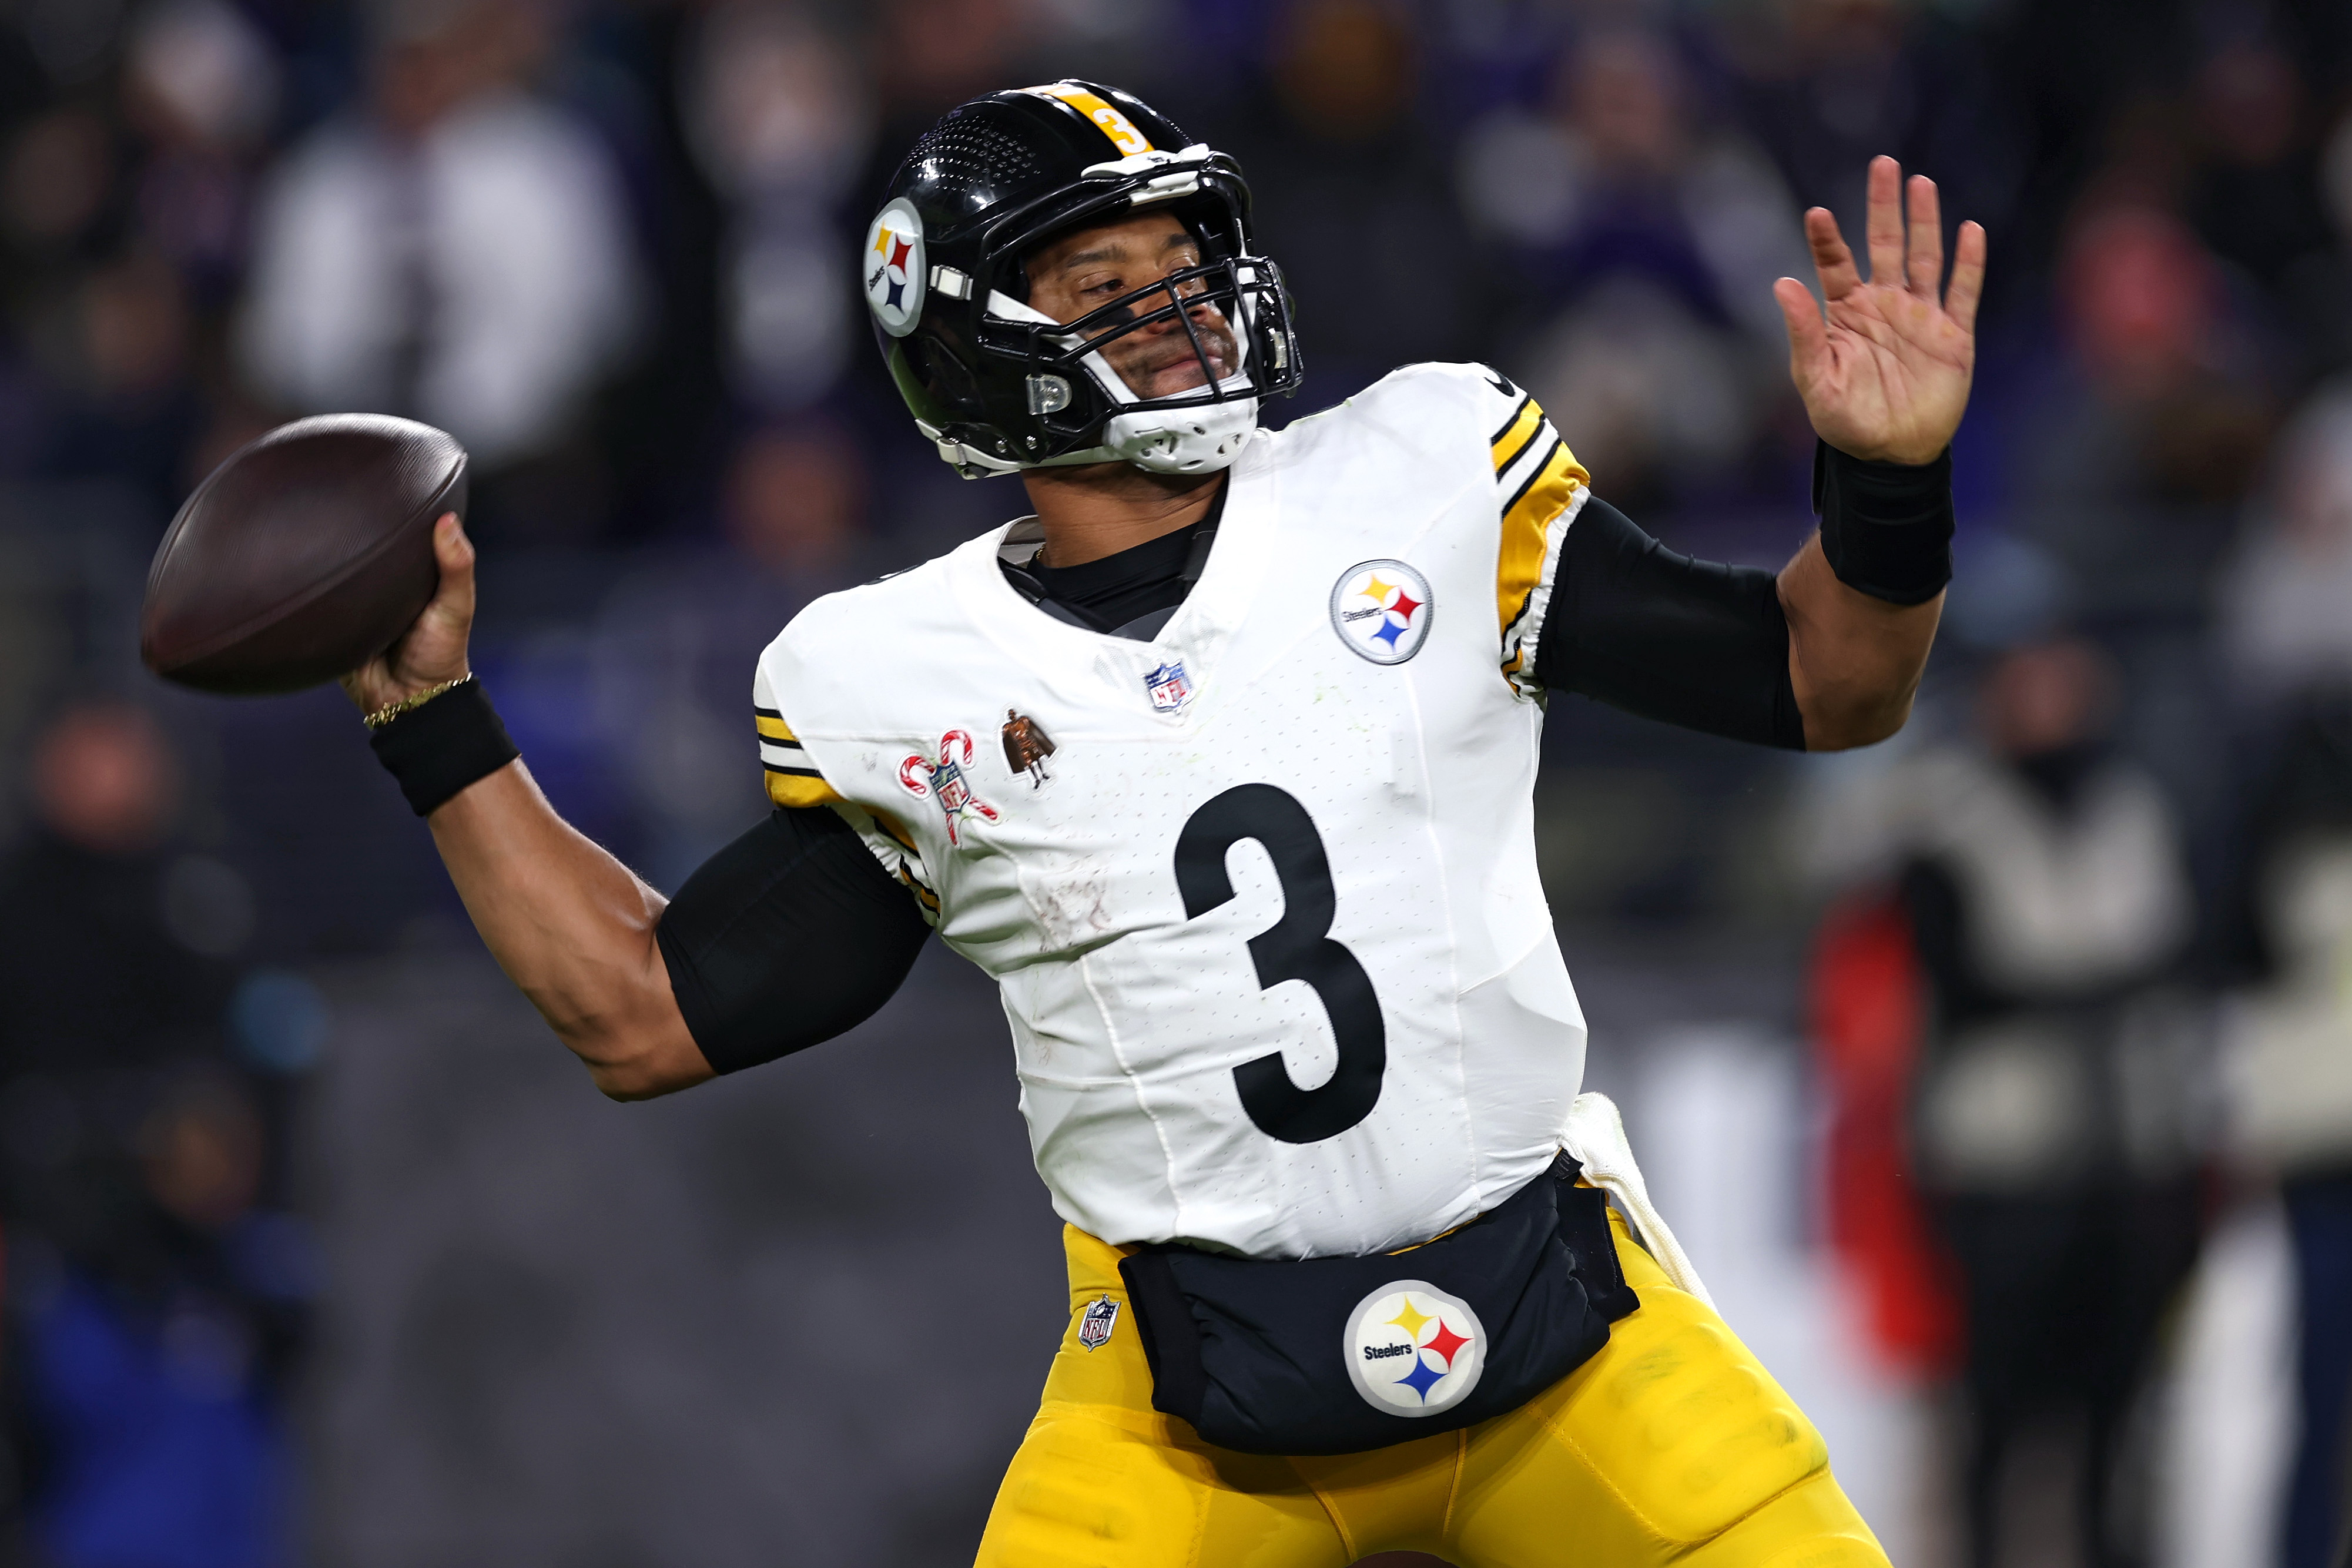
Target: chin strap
(1162, 438)
(974, 464)
(1596, 1139)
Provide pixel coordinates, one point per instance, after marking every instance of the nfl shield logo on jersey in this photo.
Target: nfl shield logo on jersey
(1413, 1348)
(1171, 688)
(947, 779)
(1100, 1317)
(1381, 609)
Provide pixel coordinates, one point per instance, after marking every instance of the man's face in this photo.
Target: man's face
(1088, 269)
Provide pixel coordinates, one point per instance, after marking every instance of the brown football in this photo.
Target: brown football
(304, 555)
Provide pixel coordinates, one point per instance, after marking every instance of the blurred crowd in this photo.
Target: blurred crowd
(2085, 979)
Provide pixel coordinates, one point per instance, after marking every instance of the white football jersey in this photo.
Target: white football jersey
(1261, 893)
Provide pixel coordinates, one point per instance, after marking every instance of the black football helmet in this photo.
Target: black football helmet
(1002, 386)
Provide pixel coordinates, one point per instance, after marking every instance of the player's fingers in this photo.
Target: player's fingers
(455, 555)
(1832, 260)
(451, 548)
(1882, 221)
(1924, 260)
(1808, 338)
(1968, 278)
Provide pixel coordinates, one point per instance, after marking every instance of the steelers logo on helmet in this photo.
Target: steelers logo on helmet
(892, 267)
(1381, 609)
(1414, 1349)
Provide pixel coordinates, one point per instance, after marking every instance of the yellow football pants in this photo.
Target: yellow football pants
(1672, 1446)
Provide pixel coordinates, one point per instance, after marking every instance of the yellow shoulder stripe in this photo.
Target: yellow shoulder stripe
(1512, 438)
(1527, 525)
(1108, 119)
(797, 792)
(772, 727)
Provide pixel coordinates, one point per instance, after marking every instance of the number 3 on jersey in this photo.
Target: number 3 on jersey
(1298, 946)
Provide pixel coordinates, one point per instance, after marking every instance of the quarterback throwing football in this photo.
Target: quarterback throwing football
(1221, 764)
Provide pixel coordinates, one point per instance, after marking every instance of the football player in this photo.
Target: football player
(1250, 854)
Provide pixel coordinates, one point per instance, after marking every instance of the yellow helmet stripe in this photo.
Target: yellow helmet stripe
(1106, 119)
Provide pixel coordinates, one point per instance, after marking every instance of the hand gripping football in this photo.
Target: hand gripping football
(301, 557)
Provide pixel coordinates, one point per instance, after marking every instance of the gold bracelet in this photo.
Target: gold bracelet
(391, 710)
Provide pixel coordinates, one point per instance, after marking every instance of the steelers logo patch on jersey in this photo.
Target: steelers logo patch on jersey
(1414, 1349)
(892, 267)
(1381, 609)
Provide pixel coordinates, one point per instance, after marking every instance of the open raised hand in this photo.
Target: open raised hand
(1885, 376)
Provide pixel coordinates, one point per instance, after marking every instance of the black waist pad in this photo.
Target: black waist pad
(1256, 1353)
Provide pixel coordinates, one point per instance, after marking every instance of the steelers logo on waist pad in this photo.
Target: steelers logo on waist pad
(1381, 609)
(891, 267)
(1414, 1349)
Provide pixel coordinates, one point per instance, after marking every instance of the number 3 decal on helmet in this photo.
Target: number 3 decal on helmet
(1116, 126)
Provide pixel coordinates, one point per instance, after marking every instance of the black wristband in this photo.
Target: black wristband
(439, 747)
(1886, 528)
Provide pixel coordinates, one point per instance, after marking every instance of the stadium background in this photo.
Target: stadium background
(320, 1249)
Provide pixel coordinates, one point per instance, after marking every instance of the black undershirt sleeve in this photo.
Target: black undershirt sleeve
(791, 934)
(1640, 627)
